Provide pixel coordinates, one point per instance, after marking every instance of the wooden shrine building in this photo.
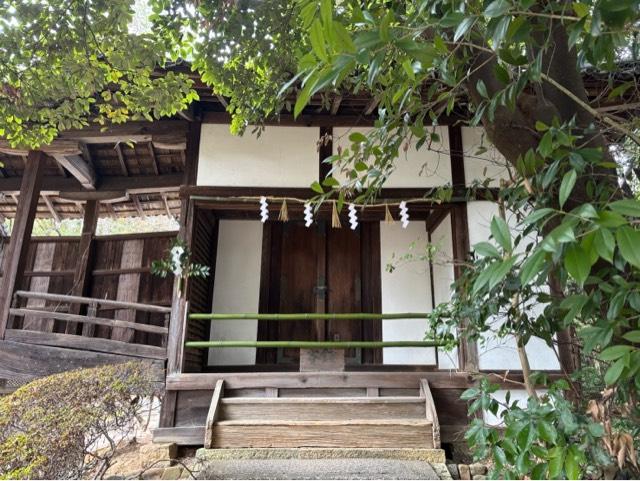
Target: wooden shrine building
(349, 369)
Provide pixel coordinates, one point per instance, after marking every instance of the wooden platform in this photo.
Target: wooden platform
(318, 421)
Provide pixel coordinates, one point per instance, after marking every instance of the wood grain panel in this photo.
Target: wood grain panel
(43, 262)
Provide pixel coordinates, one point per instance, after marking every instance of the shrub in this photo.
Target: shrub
(68, 425)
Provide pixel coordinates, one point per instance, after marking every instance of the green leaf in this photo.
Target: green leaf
(540, 471)
(568, 182)
(537, 215)
(615, 352)
(486, 249)
(357, 137)
(614, 372)
(628, 241)
(556, 462)
(344, 37)
(316, 187)
(628, 207)
(632, 336)
(547, 432)
(532, 266)
(497, 8)
(463, 28)
(500, 232)
(326, 11)
(317, 40)
(605, 244)
(578, 263)
(499, 456)
(482, 89)
(571, 465)
(305, 94)
(483, 278)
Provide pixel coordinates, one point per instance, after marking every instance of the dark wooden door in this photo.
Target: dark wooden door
(319, 269)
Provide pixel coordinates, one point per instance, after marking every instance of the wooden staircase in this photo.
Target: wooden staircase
(322, 422)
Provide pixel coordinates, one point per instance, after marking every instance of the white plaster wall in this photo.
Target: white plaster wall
(280, 157)
(494, 353)
(442, 280)
(415, 168)
(481, 165)
(406, 289)
(237, 289)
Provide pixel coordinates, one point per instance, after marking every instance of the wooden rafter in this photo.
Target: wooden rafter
(335, 105)
(154, 160)
(138, 206)
(79, 168)
(51, 208)
(123, 163)
(166, 205)
(371, 105)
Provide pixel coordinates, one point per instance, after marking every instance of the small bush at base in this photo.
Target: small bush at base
(68, 425)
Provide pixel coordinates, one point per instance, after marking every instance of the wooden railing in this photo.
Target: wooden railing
(88, 321)
(310, 344)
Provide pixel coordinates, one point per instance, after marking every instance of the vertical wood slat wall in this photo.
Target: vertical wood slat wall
(204, 241)
(54, 259)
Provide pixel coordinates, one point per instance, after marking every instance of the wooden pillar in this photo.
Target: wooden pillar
(15, 257)
(82, 276)
(179, 307)
(177, 325)
(467, 350)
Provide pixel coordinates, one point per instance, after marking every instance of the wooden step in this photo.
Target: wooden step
(322, 422)
(310, 409)
(355, 433)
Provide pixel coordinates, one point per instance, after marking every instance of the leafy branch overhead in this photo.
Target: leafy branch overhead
(64, 65)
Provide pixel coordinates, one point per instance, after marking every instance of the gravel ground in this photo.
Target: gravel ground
(317, 469)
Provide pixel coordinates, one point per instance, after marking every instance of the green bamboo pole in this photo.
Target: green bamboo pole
(307, 316)
(310, 344)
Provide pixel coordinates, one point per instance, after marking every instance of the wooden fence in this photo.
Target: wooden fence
(120, 272)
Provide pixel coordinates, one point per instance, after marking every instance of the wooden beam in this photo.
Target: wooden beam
(57, 147)
(154, 160)
(456, 153)
(192, 153)
(51, 208)
(335, 105)
(302, 380)
(138, 206)
(16, 253)
(25, 362)
(467, 350)
(106, 196)
(179, 306)
(123, 163)
(156, 131)
(85, 343)
(143, 184)
(79, 168)
(166, 206)
(371, 105)
(435, 219)
(214, 413)
(82, 274)
(325, 150)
